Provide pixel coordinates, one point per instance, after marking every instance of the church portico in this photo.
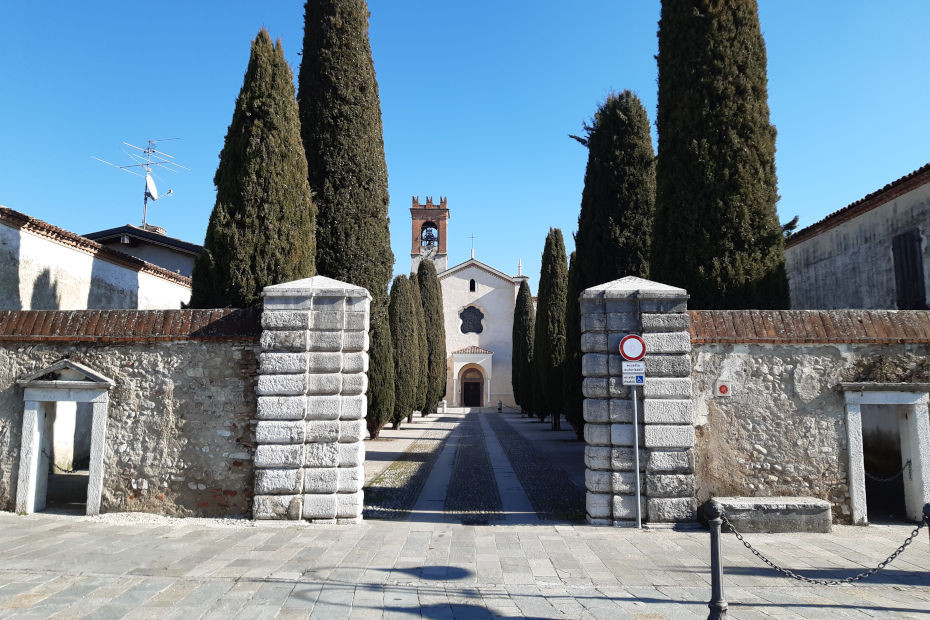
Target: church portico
(472, 372)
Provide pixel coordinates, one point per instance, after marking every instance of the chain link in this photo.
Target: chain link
(827, 582)
(907, 466)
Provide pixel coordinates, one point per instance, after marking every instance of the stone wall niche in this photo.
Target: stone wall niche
(310, 418)
(658, 313)
(63, 382)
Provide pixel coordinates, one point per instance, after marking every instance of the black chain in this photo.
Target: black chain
(61, 469)
(827, 582)
(907, 466)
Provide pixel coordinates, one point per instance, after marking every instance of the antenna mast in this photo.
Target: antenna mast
(150, 157)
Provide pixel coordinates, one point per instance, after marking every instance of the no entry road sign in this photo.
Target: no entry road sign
(632, 348)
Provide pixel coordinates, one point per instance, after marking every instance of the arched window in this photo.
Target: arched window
(472, 286)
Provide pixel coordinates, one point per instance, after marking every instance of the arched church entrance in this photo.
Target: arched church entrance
(472, 382)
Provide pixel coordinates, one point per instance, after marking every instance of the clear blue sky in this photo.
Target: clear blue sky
(478, 99)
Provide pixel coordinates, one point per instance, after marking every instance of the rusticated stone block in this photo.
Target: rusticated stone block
(592, 305)
(284, 341)
(355, 362)
(597, 481)
(349, 505)
(324, 341)
(355, 341)
(327, 319)
(668, 365)
(353, 407)
(597, 457)
(280, 432)
(621, 434)
(281, 408)
(616, 389)
(320, 455)
(664, 306)
(621, 410)
(667, 342)
(678, 322)
(622, 322)
(594, 342)
(322, 384)
(319, 506)
(596, 410)
(668, 411)
(597, 505)
(595, 387)
(351, 454)
(670, 485)
(593, 322)
(351, 479)
(321, 480)
(357, 321)
(624, 483)
(670, 461)
(278, 456)
(282, 363)
(324, 362)
(356, 383)
(352, 431)
(622, 459)
(286, 320)
(322, 431)
(597, 434)
(324, 407)
(277, 507)
(594, 365)
(671, 510)
(619, 306)
(281, 385)
(624, 507)
(667, 388)
(669, 436)
(278, 481)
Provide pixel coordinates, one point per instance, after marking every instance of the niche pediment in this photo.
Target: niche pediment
(66, 373)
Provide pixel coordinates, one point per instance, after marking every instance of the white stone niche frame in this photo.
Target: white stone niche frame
(915, 442)
(63, 381)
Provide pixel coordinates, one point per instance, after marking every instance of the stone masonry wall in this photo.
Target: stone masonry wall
(666, 436)
(179, 440)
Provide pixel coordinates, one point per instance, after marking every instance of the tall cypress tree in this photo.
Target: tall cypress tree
(523, 329)
(406, 356)
(340, 122)
(571, 386)
(716, 229)
(419, 324)
(431, 295)
(381, 384)
(261, 230)
(549, 342)
(618, 200)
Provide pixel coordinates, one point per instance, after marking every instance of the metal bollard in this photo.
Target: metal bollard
(717, 604)
(500, 406)
(927, 516)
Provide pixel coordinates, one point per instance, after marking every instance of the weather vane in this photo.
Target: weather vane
(150, 158)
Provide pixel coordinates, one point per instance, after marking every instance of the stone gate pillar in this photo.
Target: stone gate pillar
(657, 312)
(310, 419)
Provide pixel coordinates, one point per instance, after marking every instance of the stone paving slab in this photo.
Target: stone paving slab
(111, 566)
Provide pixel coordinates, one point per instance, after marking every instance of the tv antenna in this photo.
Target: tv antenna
(148, 158)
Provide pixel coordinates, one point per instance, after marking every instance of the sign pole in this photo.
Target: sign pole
(639, 517)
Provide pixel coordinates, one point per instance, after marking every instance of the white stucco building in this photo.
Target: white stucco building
(43, 267)
(478, 304)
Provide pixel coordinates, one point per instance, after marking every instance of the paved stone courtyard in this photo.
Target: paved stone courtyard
(424, 562)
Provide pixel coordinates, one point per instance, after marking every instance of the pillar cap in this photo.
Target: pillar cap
(317, 286)
(632, 287)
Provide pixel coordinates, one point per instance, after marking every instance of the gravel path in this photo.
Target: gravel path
(552, 493)
(395, 491)
(472, 490)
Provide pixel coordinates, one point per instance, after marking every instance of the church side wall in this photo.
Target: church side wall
(859, 252)
(495, 298)
(179, 438)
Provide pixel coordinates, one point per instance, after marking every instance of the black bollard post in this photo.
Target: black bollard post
(927, 515)
(717, 604)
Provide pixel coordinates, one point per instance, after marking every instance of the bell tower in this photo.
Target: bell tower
(428, 233)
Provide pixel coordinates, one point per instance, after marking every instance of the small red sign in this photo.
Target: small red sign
(632, 348)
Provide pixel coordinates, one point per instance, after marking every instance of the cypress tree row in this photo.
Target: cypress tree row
(261, 230)
(431, 295)
(380, 395)
(618, 200)
(716, 228)
(340, 123)
(419, 324)
(521, 359)
(549, 342)
(406, 356)
(572, 377)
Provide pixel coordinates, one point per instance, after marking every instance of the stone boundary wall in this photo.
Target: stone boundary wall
(179, 435)
(782, 430)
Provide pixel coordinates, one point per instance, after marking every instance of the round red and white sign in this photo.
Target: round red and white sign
(632, 348)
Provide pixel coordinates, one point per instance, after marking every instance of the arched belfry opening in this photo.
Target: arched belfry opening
(428, 224)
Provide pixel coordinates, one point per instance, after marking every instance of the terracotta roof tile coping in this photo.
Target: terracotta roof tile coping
(810, 326)
(114, 326)
(473, 350)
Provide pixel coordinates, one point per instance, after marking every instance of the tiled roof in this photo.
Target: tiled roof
(128, 325)
(876, 199)
(473, 351)
(67, 238)
(810, 326)
(146, 235)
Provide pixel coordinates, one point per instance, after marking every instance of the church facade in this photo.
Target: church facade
(478, 304)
